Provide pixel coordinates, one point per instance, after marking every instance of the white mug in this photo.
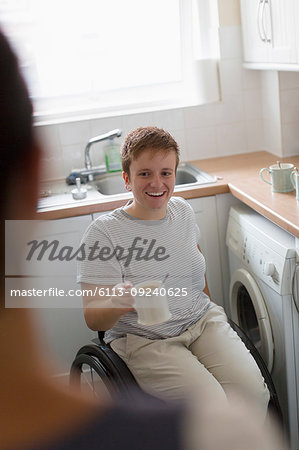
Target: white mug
(151, 302)
(280, 177)
(295, 182)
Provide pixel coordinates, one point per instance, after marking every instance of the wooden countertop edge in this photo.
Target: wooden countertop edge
(206, 191)
(106, 205)
(264, 210)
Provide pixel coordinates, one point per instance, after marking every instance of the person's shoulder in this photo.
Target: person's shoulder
(180, 205)
(108, 218)
(178, 201)
(99, 225)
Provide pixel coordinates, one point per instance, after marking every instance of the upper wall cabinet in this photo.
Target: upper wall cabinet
(269, 30)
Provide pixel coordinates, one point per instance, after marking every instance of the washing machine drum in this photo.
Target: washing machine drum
(248, 310)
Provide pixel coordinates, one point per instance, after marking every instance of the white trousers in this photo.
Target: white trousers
(208, 361)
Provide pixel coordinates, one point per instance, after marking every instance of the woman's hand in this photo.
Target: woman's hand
(102, 312)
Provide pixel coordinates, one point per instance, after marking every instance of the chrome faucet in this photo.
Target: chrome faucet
(102, 137)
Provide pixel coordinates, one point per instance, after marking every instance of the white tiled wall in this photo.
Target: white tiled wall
(289, 107)
(271, 112)
(233, 125)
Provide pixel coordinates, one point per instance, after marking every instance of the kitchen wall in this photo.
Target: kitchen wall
(258, 110)
(289, 111)
(280, 100)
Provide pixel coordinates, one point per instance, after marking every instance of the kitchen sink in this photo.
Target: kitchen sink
(110, 184)
(58, 194)
(187, 176)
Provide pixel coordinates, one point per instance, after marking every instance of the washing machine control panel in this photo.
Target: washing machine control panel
(265, 263)
(270, 270)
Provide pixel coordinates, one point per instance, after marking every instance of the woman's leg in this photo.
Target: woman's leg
(167, 369)
(225, 356)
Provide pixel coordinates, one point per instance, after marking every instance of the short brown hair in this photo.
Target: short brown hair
(144, 138)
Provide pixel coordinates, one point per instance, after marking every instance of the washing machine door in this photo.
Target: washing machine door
(248, 310)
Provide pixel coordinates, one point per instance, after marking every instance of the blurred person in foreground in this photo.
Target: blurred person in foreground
(36, 413)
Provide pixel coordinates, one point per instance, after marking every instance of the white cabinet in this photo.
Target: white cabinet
(282, 31)
(254, 45)
(206, 219)
(269, 30)
(63, 329)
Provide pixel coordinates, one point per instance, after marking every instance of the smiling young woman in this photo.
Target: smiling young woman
(204, 357)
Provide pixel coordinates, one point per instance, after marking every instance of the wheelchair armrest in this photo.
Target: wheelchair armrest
(100, 338)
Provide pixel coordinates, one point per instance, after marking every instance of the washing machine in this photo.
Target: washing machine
(264, 302)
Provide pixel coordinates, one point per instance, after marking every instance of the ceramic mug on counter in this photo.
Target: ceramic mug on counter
(151, 302)
(280, 177)
(295, 182)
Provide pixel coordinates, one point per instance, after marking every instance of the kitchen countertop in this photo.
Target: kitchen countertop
(238, 174)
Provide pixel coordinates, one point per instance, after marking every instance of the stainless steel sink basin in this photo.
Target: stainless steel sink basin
(110, 184)
(187, 176)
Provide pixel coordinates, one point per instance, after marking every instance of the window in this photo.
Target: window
(99, 56)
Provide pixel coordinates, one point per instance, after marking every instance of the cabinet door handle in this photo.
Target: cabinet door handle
(269, 38)
(266, 2)
(260, 21)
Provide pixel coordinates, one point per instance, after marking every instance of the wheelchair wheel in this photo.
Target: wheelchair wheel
(99, 371)
(274, 408)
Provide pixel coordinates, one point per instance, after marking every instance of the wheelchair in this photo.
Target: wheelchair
(97, 366)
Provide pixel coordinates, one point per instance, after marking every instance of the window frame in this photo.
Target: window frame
(199, 83)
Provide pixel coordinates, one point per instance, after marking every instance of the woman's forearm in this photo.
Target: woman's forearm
(103, 315)
(101, 311)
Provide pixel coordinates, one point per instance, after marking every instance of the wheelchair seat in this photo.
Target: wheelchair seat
(103, 362)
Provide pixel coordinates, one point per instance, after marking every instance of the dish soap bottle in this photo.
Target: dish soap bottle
(112, 157)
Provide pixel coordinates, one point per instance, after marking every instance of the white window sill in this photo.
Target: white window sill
(206, 91)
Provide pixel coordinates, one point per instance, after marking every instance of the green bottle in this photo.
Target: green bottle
(112, 157)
